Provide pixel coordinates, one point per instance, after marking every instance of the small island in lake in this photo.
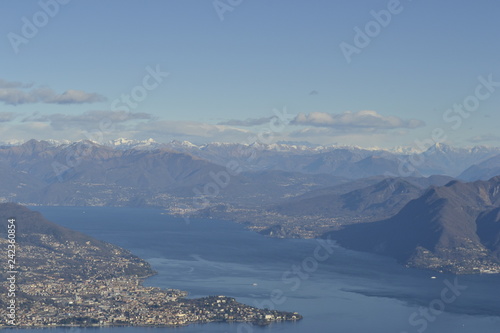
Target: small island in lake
(59, 277)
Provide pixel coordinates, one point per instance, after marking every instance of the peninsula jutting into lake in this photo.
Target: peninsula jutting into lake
(64, 278)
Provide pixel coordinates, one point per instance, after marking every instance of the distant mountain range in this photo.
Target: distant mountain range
(85, 173)
(454, 228)
(178, 175)
(343, 161)
(483, 170)
(424, 217)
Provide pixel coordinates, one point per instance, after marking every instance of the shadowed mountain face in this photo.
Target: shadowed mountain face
(453, 227)
(488, 230)
(380, 200)
(318, 211)
(364, 200)
(263, 183)
(89, 162)
(51, 162)
(85, 173)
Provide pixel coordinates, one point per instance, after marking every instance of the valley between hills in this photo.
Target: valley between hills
(443, 215)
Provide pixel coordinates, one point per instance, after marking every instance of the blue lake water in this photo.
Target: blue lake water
(342, 291)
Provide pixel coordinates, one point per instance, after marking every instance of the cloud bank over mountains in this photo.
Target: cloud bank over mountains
(17, 93)
(107, 123)
(316, 127)
(360, 119)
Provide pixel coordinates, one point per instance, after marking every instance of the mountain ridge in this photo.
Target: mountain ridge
(436, 159)
(438, 230)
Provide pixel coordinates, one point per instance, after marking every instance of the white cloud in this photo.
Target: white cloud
(365, 137)
(16, 93)
(360, 119)
(14, 84)
(90, 120)
(118, 124)
(248, 122)
(75, 97)
(347, 128)
(25, 131)
(90, 116)
(7, 116)
(485, 138)
(195, 131)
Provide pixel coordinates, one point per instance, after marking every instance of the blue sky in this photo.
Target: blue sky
(226, 76)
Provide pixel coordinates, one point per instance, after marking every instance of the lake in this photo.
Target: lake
(336, 290)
